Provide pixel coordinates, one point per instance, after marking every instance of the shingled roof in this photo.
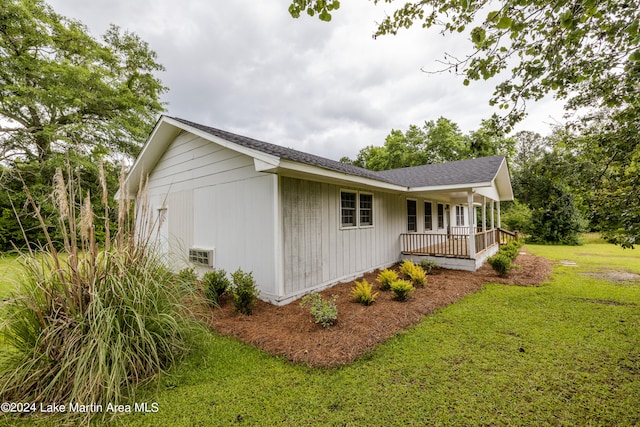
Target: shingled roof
(480, 170)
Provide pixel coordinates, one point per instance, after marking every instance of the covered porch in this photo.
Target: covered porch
(461, 246)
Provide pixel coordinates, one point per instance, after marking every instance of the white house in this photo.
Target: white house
(301, 222)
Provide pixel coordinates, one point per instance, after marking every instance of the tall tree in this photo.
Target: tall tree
(609, 155)
(61, 88)
(435, 142)
(489, 140)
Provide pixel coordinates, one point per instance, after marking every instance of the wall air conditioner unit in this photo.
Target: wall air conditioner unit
(201, 257)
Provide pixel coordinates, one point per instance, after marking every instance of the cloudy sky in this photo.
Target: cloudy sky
(330, 89)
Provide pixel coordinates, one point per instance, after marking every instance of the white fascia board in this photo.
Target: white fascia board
(488, 192)
(150, 154)
(264, 157)
(262, 166)
(450, 187)
(341, 176)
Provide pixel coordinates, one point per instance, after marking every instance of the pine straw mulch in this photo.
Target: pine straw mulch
(289, 331)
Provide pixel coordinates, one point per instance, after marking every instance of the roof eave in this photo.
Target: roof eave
(319, 173)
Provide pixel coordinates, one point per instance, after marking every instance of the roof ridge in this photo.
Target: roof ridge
(481, 169)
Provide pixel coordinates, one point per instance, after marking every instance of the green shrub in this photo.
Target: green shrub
(401, 289)
(361, 292)
(413, 272)
(511, 249)
(406, 268)
(500, 263)
(325, 312)
(215, 284)
(386, 278)
(89, 325)
(418, 276)
(244, 291)
(428, 265)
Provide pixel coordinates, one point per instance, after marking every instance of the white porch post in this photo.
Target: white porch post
(472, 236)
(484, 220)
(493, 208)
(499, 223)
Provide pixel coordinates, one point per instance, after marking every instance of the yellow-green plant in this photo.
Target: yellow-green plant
(386, 278)
(413, 272)
(418, 276)
(361, 292)
(406, 268)
(402, 289)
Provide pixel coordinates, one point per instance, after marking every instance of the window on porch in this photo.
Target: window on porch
(412, 216)
(428, 216)
(460, 216)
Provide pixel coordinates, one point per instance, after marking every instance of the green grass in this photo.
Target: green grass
(8, 273)
(565, 353)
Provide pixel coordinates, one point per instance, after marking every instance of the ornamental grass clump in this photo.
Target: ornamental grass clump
(386, 278)
(89, 324)
(362, 294)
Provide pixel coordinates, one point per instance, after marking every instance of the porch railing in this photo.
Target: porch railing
(449, 245)
(452, 245)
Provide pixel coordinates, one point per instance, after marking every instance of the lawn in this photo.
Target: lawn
(564, 353)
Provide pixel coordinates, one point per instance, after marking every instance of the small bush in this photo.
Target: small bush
(386, 278)
(500, 263)
(215, 284)
(362, 293)
(244, 292)
(511, 249)
(401, 289)
(428, 265)
(413, 272)
(406, 268)
(418, 276)
(325, 312)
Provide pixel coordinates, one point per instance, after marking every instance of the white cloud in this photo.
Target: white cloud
(324, 88)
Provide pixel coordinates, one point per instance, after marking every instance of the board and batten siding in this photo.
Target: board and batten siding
(317, 252)
(215, 199)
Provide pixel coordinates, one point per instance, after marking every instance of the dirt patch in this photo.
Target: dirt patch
(615, 276)
(605, 301)
(290, 332)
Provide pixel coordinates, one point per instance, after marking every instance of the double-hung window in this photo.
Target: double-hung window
(460, 216)
(428, 217)
(366, 209)
(356, 209)
(412, 216)
(440, 215)
(348, 209)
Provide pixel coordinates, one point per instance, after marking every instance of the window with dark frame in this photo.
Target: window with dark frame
(347, 209)
(460, 216)
(428, 216)
(366, 209)
(440, 215)
(412, 220)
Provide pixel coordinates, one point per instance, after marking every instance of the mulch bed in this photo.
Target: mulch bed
(289, 331)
